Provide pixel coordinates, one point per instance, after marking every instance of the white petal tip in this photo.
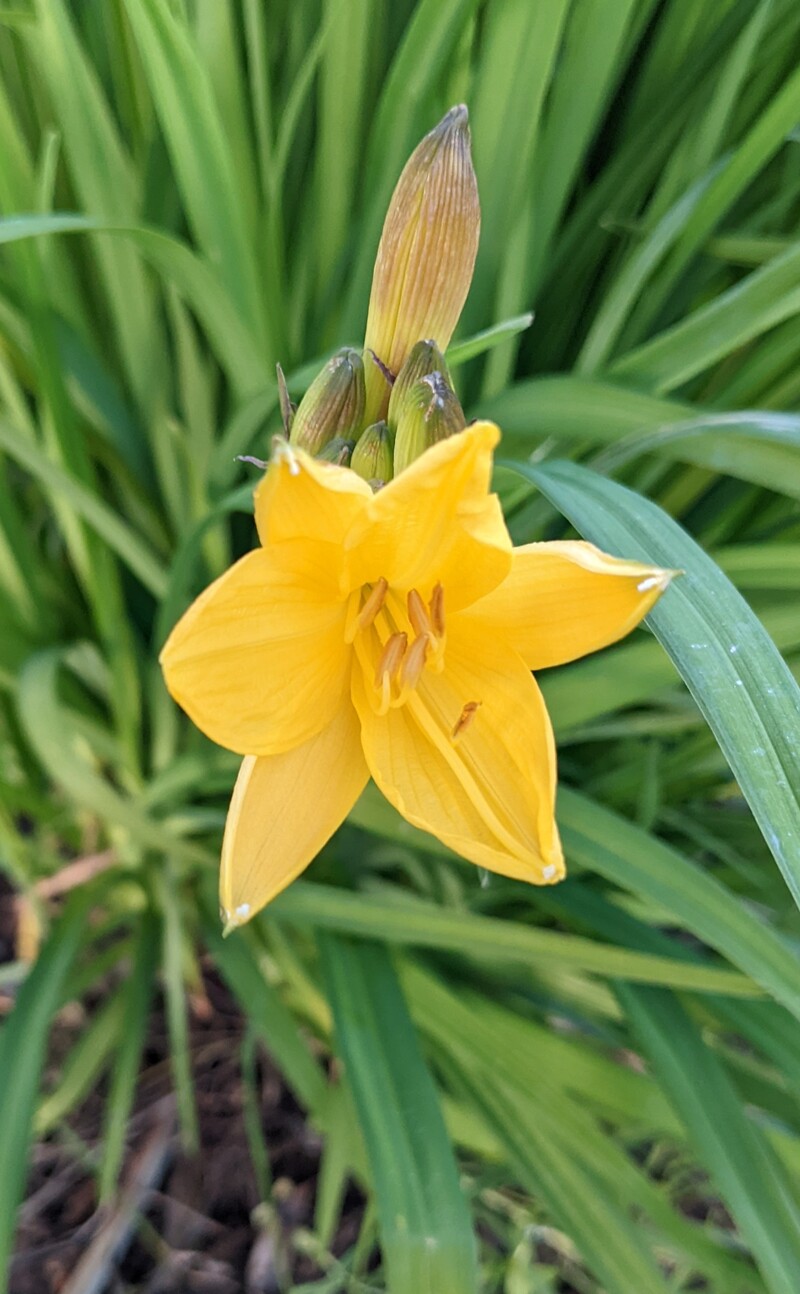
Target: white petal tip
(660, 580)
(233, 921)
(282, 452)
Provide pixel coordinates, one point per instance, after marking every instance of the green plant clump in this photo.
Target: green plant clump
(594, 1083)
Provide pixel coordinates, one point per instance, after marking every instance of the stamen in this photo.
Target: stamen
(373, 604)
(391, 657)
(418, 614)
(414, 662)
(437, 610)
(466, 717)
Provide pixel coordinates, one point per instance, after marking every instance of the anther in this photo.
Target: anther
(418, 614)
(414, 662)
(373, 604)
(437, 610)
(391, 657)
(464, 720)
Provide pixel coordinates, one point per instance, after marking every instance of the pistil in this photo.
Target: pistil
(360, 616)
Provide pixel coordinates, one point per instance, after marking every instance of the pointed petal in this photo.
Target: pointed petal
(259, 661)
(563, 600)
(437, 522)
(284, 809)
(316, 503)
(489, 790)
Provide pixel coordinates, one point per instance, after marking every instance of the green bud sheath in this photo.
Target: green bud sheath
(424, 358)
(338, 450)
(333, 405)
(430, 411)
(288, 409)
(373, 455)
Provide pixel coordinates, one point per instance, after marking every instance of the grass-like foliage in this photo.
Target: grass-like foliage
(536, 1085)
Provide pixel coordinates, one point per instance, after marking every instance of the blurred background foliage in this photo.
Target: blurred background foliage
(587, 1088)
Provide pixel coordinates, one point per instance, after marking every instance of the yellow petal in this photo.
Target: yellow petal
(470, 757)
(427, 251)
(284, 809)
(259, 661)
(437, 522)
(314, 502)
(562, 600)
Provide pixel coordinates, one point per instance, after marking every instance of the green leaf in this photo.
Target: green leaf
(758, 446)
(195, 134)
(399, 918)
(638, 861)
(426, 1231)
(268, 1014)
(744, 1169)
(764, 299)
(22, 1050)
(470, 347)
(173, 940)
(134, 551)
(54, 735)
(520, 1094)
(138, 992)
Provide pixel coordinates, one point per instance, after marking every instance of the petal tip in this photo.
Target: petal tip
(484, 430)
(236, 919)
(553, 872)
(658, 580)
(285, 455)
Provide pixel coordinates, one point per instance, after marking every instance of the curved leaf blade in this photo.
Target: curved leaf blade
(425, 1223)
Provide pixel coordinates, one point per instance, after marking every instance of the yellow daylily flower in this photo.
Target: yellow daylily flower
(392, 634)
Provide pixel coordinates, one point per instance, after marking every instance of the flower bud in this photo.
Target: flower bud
(427, 250)
(338, 450)
(372, 456)
(333, 405)
(429, 412)
(424, 358)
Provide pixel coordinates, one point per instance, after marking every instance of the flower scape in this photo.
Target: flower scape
(386, 627)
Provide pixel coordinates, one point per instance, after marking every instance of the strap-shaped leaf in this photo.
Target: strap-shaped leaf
(426, 1232)
(750, 1177)
(23, 1043)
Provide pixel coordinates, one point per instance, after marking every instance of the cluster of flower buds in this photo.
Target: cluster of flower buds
(376, 411)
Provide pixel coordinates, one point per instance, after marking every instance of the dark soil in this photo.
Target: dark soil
(182, 1223)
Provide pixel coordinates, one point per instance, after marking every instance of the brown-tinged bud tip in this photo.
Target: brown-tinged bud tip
(429, 412)
(333, 405)
(428, 246)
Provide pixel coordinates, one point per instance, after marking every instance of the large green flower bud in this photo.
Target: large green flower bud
(429, 412)
(427, 251)
(333, 405)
